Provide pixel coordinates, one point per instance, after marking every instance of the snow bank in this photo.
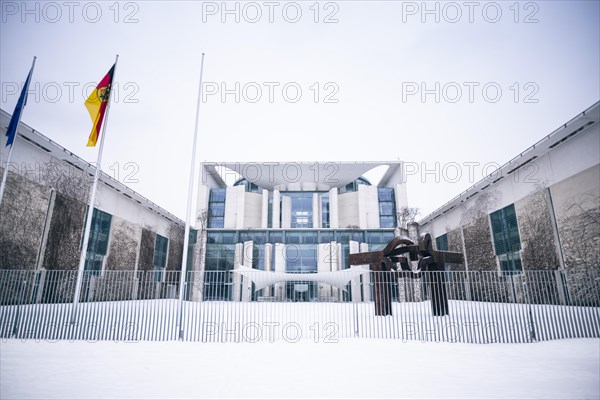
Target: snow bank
(350, 368)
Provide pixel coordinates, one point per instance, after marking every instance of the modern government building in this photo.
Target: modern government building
(538, 211)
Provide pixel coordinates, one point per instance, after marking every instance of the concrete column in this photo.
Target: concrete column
(366, 278)
(467, 282)
(201, 203)
(276, 209)
(362, 207)
(247, 262)
(286, 212)
(558, 247)
(413, 231)
(280, 267)
(268, 266)
(334, 221)
(42, 249)
(338, 265)
(316, 207)
(324, 264)
(400, 196)
(234, 207)
(355, 290)
(264, 216)
(370, 200)
(241, 206)
(237, 281)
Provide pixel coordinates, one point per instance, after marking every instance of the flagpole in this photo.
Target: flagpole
(12, 145)
(186, 237)
(90, 211)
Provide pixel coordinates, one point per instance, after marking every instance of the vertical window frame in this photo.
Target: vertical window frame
(160, 271)
(507, 250)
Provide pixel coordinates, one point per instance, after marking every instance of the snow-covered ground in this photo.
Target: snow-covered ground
(346, 368)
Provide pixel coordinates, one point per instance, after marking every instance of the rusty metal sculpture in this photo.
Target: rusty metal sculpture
(392, 263)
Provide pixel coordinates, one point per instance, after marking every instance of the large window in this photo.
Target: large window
(216, 208)
(220, 256)
(377, 240)
(301, 258)
(507, 243)
(300, 253)
(302, 210)
(98, 242)
(325, 211)
(387, 208)
(441, 242)
(161, 247)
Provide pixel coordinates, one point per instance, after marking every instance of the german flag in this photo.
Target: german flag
(97, 104)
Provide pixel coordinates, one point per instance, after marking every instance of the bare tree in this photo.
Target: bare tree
(407, 215)
(580, 231)
(70, 182)
(537, 235)
(202, 224)
(199, 255)
(480, 208)
(476, 231)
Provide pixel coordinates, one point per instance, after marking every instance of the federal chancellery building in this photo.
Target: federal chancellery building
(540, 210)
(294, 217)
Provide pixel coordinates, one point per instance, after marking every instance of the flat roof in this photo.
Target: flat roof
(324, 174)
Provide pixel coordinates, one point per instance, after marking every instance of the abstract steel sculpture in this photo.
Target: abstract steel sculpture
(391, 263)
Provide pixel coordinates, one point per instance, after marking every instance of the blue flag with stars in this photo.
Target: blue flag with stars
(11, 132)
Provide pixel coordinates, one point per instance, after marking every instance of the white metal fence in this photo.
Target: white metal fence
(483, 307)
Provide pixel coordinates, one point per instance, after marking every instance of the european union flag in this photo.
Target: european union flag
(11, 132)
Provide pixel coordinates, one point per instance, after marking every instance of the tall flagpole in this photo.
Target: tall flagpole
(90, 212)
(12, 145)
(186, 237)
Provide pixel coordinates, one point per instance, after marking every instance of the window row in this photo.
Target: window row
(505, 237)
(98, 242)
(301, 237)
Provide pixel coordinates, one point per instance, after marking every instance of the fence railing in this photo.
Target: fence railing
(476, 306)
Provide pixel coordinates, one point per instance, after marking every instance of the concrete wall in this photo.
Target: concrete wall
(253, 206)
(38, 233)
(560, 165)
(234, 207)
(577, 208)
(23, 215)
(348, 210)
(124, 247)
(561, 185)
(368, 207)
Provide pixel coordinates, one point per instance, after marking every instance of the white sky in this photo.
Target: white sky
(371, 56)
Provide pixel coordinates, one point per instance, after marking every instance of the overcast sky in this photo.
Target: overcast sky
(461, 83)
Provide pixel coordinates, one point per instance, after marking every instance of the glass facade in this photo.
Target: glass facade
(505, 232)
(301, 252)
(220, 255)
(309, 216)
(387, 207)
(98, 242)
(302, 209)
(216, 208)
(441, 242)
(161, 247)
(325, 211)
